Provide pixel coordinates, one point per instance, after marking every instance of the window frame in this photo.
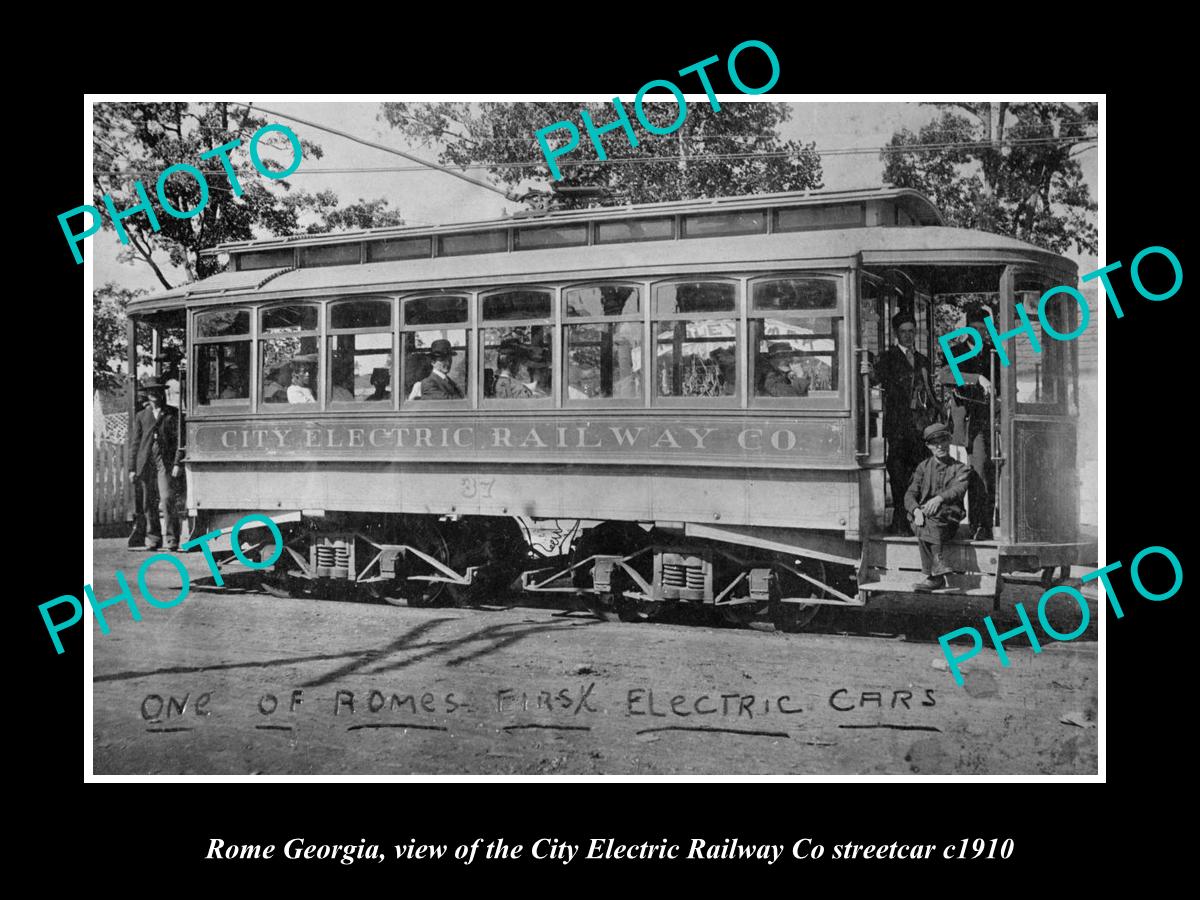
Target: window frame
(642, 317)
(261, 335)
(194, 344)
(399, 394)
(832, 399)
(331, 332)
(732, 401)
(554, 322)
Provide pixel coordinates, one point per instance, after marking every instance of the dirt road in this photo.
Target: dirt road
(235, 682)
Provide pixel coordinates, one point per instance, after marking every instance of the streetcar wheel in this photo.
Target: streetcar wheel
(287, 586)
(602, 606)
(631, 610)
(794, 617)
(740, 615)
(428, 538)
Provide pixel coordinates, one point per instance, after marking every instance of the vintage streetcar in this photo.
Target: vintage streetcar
(596, 403)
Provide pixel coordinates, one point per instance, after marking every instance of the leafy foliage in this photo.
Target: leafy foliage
(108, 335)
(137, 141)
(499, 137)
(1008, 169)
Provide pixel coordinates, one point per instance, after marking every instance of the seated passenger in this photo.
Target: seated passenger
(935, 504)
(726, 360)
(279, 378)
(234, 385)
(538, 368)
(507, 386)
(380, 379)
(343, 380)
(299, 391)
(784, 376)
(439, 385)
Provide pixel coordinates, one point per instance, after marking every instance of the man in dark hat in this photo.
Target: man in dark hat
(438, 385)
(784, 377)
(155, 457)
(971, 423)
(908, 405)
(935, 504)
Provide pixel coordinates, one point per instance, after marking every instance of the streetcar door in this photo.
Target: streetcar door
(1039, 415)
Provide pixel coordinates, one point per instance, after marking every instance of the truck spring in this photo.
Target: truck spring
(674, 575)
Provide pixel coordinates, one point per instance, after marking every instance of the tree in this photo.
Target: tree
(712, 154)
(137, 141)
(1007, 168)
(108, 335)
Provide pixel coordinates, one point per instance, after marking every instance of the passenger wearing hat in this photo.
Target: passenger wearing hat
(537, 366)
(509, 358)
(935, 504)
(380, 379)
(155, 457)
(299, 391)
(784, 377)
(279, 378)
(908, 406)
(438, 385)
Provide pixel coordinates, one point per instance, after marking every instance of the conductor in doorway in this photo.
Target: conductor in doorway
(908, 407)
(155, 457)
(935, 504)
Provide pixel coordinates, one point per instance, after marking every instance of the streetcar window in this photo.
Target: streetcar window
(795, 357)
(623, 230)
(223, 373)
(400, 248)
(696, 352)
(475, 242)
(554, 236)
(717, 224)
(604, 356)
(223, 322)
(1042, 379)
(794, 353)
(330, 255)
(289, 355)
(694, 297)
(360, 314)
(598, 302)
(795, 293)
(436, 364)
(435, 310)
(805, 218)
(517, 305)
(285, 257)
(360, 367)
(518, 362)
(289, 318)
(604, 361)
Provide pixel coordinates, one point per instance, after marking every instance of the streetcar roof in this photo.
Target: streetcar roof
(916, 204)
(838, 248)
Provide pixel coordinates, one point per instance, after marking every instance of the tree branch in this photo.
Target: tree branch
(138, 242)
